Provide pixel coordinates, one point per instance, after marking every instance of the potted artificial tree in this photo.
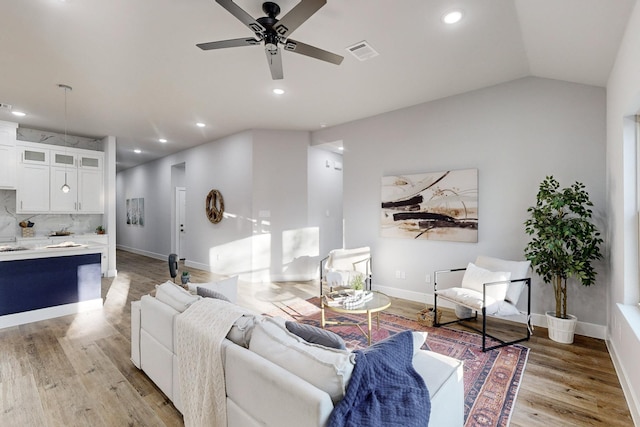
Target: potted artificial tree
(564, 244)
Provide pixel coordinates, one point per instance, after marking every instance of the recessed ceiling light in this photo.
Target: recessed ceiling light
(323, 125)
(162, 140)
(137, 151)
(278, 91)
(452, 17)
(200, 124)
(18, 113)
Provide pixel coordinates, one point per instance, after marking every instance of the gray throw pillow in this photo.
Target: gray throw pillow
(210, 293)
(315, 335)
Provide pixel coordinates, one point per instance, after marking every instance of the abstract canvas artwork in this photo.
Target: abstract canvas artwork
(135, 211)
(431, 206)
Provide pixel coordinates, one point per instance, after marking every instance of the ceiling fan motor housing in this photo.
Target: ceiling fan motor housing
(274, 32)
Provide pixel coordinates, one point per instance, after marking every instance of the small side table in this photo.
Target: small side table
(378, 303)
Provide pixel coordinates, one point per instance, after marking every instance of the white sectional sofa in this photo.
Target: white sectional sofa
(259, 389)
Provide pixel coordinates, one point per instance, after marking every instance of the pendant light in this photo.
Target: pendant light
(65, 188)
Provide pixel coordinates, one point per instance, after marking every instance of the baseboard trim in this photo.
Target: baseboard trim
(142, 252)
(632, 403)
(16, 319)
(197, 265)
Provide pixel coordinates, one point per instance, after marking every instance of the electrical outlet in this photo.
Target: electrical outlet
(398, 274)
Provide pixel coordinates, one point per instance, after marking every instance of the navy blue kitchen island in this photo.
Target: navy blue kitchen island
(39, 284)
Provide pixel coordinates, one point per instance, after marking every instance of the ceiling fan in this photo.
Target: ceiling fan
(274, 32)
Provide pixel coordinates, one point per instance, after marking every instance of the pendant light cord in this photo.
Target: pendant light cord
(65, 188)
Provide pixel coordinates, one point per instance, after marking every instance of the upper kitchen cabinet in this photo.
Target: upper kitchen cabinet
(82, 171)
(43, 171)
(8, 155)
(90, 182)
(32, 189)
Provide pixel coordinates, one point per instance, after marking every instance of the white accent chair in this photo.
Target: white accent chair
(338, 268)
(492, 286)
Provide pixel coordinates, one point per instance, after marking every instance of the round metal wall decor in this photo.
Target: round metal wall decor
(214, 206)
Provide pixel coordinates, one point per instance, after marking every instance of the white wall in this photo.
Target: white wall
(325, 198)
(623, 101)
(225, 165)
(262, 176)
(514, 134)
(280, 190)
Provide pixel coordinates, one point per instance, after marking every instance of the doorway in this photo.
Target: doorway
(180, 225)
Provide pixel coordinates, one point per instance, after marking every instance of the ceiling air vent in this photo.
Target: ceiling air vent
(362, 51)
(5, 106)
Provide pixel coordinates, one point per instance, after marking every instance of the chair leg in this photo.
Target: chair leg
(485, 334)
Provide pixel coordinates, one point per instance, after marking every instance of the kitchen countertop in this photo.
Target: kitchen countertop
(48, 252)
(24, 240)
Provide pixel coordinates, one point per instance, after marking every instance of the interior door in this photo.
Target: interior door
(181, 193)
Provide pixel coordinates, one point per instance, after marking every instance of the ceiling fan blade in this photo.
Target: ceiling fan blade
(296, 16)
(242, 16)
(274, 59)
(228, 43)
(313, 52)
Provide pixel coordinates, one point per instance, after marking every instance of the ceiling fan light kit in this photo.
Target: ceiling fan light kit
(275, 32)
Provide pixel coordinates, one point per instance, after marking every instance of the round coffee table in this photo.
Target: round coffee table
(376, 304)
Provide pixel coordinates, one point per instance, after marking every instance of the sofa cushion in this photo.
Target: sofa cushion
(326, 368)
(475, 277)
(518, 270)
(315, 335)
(175, 296)
(473, 299)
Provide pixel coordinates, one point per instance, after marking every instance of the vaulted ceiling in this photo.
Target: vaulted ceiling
(137, 74)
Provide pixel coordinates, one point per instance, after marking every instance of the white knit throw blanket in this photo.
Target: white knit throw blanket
(199, 334)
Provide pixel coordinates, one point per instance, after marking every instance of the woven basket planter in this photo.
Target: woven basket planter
(426, 317)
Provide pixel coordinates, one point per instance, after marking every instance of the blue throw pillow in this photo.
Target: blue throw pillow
(315, 335)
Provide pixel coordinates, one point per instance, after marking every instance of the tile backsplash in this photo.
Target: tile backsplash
(44, 223)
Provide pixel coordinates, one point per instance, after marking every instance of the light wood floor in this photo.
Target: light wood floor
(75, 370)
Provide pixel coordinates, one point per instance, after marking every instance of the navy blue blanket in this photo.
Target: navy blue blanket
(384, 389)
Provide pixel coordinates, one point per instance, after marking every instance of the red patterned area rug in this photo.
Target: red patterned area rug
(491, 379)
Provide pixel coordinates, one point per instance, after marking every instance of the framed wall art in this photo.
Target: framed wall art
(431, 206)
(135, 211)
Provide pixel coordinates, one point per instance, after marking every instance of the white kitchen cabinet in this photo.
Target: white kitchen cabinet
(91, 161)
(30, 155)
(81, 169)
(90, 191)
(8, 155)
(7, 166)
(32, 188)
(63, 158)
(61, 202)
(32, 191)
(85, 177)
(90, 182)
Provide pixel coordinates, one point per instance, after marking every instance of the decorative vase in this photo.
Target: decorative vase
(561, 330)
(185, 278)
